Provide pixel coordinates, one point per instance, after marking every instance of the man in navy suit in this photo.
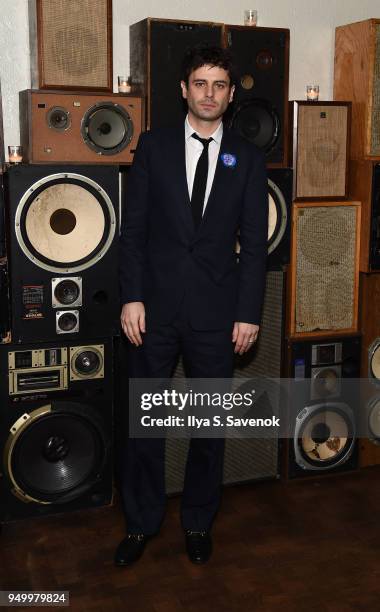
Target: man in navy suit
(191, 189)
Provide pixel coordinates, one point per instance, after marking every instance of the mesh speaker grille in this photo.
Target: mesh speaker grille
(375, 123)
(321, 151)
(75, 43)
(325, 268)
(245, 459)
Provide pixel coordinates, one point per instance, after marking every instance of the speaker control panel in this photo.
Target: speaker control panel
(37, 370)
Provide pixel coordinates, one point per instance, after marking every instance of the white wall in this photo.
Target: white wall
(311, 22)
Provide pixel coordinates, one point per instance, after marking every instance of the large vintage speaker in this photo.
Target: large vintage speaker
(260, 107)
(246, 459)
(58, 126)
(71, 44)
(370, 366)
(157, 47)
(323, 407)
(364, 185)
(357, 78)
(324, 277)
(320, 149)
(55, 427)
(63, 231)
(279, 215)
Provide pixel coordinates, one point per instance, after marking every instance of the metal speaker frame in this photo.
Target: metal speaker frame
(66, 313)
(105, 128)
(372, 351)
(56, 282)
(76, 351)
(345, 413)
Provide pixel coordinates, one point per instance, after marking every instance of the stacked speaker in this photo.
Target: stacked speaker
(60, 280)
(357, 78)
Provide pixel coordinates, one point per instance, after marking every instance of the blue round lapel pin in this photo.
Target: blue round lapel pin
(228, 160)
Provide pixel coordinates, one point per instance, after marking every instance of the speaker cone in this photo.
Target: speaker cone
(277, 217)
(107, 128)
(86, 362)
(324, 436)
(373, 411)
(58, 118)
(65, 223)
(67, 292)
(374, 359)
(326, 383)
(67, 321)
(56, 453)
(258, 122)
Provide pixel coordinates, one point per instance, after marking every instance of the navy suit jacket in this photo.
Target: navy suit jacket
(163, 256)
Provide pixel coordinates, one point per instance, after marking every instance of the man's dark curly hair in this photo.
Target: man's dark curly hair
(203, 54)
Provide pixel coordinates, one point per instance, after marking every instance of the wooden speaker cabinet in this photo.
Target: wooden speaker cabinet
(364, 185)
(78, 127)
(321, 136)
(324, 276)
(71, 44)
(357, 78)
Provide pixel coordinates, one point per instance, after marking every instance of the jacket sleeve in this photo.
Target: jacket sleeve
(253, 243)
(134, 226)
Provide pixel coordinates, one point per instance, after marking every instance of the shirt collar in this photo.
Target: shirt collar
(217, 135)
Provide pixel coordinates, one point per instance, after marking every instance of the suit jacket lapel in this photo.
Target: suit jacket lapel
(178, 154)
(221, 178)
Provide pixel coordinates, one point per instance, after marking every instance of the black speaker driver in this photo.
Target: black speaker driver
(57, 454)
(87, 363)
(258, 122)
(67, 292)
(67, 321)
(58, 118)
(107, 128)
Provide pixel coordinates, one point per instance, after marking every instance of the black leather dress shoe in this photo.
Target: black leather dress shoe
(198, 546)
(130, 549)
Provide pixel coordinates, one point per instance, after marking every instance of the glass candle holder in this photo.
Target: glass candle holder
(312, 92)
(15, 154)
(124, 84)
(250, 17)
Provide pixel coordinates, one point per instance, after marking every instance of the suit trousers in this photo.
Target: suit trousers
(206, 354)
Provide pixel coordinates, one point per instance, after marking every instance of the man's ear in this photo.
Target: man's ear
(184, 89)
(232, 93)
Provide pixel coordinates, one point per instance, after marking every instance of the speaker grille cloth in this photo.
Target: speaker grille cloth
(245, 459)
(321, 151)
(325, 268)
(74, 43)
(375, 123)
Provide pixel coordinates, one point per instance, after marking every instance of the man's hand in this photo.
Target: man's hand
(133, 321)
(245, 335)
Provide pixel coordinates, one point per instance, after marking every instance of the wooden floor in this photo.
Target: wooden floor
(305, 546)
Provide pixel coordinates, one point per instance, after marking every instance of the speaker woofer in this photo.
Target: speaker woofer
(258, 122)
(324, 436)
(374, 360)
(65, 222)
(56, 453)
(86, 362)
(58, 118)
(107, 128)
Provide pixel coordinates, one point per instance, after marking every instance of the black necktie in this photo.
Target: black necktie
(200, 181)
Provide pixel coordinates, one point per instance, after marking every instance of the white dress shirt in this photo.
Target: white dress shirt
(194, 150)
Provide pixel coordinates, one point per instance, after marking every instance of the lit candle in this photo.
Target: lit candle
(124, 84)
(312, 92)
(250, 17)
(15, 154)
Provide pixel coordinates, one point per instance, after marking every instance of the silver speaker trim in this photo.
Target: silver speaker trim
(48, 179)
(77, 350)
(305, 414)
(59, 314)
(55, 281)
(284, 216)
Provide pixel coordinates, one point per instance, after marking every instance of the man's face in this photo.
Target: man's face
(208, 92)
